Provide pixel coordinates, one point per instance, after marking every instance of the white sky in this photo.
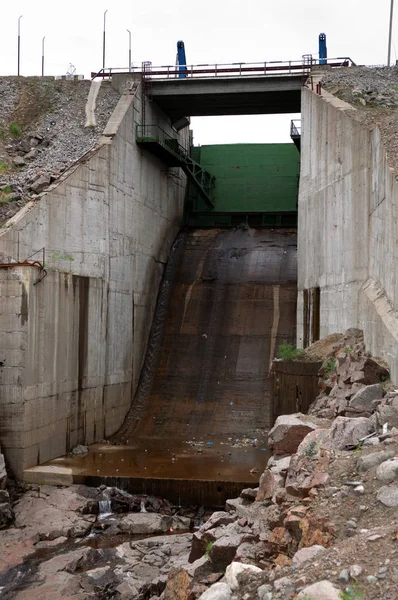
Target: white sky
(222, 31)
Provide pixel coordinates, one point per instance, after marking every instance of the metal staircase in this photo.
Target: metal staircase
(171, 151)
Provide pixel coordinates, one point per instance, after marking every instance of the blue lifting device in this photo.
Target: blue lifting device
(323, 51)
(181, 59)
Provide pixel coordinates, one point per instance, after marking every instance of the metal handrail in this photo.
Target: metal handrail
(267, 68)
(156, 132)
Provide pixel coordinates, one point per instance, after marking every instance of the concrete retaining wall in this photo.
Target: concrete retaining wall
(71, 365)
(348, 232)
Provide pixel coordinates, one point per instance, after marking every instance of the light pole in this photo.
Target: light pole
(129, 32)
(42, 56)
(19, 42)
(103, 43)
(390, 34)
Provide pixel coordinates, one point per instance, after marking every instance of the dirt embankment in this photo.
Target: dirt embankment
(42, 133)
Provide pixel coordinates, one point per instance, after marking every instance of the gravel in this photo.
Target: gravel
(51, 116)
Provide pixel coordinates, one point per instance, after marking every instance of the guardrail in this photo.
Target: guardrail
(271, 68)
(156, 133)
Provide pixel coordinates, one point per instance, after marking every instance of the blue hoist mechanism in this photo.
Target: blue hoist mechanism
(181, 59)
(323, 51)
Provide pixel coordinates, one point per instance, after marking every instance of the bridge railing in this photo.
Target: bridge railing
(271, 68)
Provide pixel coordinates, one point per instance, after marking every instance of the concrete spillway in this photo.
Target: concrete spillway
(198, 425)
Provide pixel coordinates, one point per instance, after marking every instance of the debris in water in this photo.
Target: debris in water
(254, 470)
(204, 336)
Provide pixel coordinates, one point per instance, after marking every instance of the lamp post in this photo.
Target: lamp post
(103, 43)
(390, 33)
(19, 42)
(129, 32)
(42, 56)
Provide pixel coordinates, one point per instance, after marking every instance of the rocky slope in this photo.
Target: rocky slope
(42, 133)
(321, 525)
(373, 93)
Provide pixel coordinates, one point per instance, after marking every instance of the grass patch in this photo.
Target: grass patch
(288, 351)
(3, 167)
(5, 194)
(15, 130)
(352, 594)
(329, 367)
(209, 547)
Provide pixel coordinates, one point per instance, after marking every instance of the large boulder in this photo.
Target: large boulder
(179, 585)
(363, 399)
(289, 431)
(348, 432)
(269, 484)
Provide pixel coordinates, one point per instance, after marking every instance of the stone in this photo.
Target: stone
(305, 554)
(314, 443)
(224, 549)
(6, 515)
(19, 161)
(249, 494)
(268, 485)
(355, 571)
(56, 513)
(284, 585)
(80, 449)
(217, 519)
(264, 592)
(387, 471)
(31, 154)
(234, 570)
(322, 590)
(40, 184)
(278, 464)
(290, 430)
(183, 523)
(388, 495)
(364, 463)
(348, 432)
(218, 591)
(363, 399)
(178, 586)
(145, 523)
(344, 576)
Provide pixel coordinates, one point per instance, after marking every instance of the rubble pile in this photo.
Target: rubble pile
(43, 133)
(373, 94)
(321, 523)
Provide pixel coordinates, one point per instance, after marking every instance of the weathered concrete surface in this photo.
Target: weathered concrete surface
(347, 239)
(73, 344)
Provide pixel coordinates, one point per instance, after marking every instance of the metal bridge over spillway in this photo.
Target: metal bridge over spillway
(233, 89)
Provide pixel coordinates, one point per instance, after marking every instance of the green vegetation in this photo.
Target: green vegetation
(209, 547)
(288, 351)
(5, 194)
(329, 367)
(15, 130)
(351, 594)
(3, 167)
(2, 133)
(310, 450)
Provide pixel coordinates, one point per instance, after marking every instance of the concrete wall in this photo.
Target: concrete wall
(348, 232)
(71, 365)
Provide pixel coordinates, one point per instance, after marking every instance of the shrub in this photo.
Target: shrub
(288, 351)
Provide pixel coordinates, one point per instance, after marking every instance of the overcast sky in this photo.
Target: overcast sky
(222, 31)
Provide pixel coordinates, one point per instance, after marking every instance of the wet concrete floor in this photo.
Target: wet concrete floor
(202, 408)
